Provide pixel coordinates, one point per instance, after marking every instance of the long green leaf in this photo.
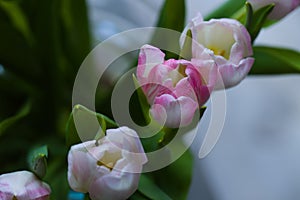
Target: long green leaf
(258, 20)
(149, 189)
(271, 60)
(175, 179)
(18, 18)
(16, 54)
(142, 109)
(227, 9)
(172, 16)
(5, 124)
(57, 177)
(138, 196)
(76, 35)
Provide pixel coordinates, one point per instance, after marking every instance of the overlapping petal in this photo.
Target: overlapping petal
(227, 42)
(175, 89)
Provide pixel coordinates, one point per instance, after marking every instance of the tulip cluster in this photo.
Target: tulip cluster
(175, 89)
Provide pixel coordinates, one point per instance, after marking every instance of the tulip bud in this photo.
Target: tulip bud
(175, 89)
(227, 42)
(109, 168)
(23, 185)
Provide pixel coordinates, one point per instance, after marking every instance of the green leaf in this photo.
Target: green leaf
(17, 17)
(186, 51)
(140, 104)
(249, 15)
(169, 133)
(37, 160)
(172, 16)
(227, 9)
(258, 19)
(138, 196)
(271, 60)
(24, 111)
(150, 190)
(88, 130)
(76, 35)
(16, 53)
(176, 178)
(57, 177)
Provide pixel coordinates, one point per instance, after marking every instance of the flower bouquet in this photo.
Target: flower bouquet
(69, 130)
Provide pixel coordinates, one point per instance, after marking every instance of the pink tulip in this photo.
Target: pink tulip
(109, 169)
(174, 88)
(227, 42)
(281, 9)
(23, 185)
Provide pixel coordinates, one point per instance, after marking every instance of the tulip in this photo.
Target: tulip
(23, 185)
(175, 89)
(227, 42)
(108, 168)
(281, 9)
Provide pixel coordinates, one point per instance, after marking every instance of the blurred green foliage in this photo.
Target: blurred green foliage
(42, 44)
(172, 16)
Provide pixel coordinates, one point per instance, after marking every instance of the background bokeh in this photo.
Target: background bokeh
(257, 156)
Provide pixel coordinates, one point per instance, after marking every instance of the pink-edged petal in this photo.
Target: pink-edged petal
(194, 22)
(149, 57)
(158, 82)
(81, 165)
(185, 88)
(233, 74)
(243, 47)
(23, 185)
(173, 112)
(203, 78)
(116, 185)
(127, 141)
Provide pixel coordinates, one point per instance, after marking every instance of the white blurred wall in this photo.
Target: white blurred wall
(257, 156)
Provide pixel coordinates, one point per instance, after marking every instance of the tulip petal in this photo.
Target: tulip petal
(117, 186)
(82, 162)
(148, 58)
(234, 74)
(23, 185)
(175, 112)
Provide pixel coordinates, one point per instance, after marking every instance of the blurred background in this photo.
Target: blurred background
(43, 43)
